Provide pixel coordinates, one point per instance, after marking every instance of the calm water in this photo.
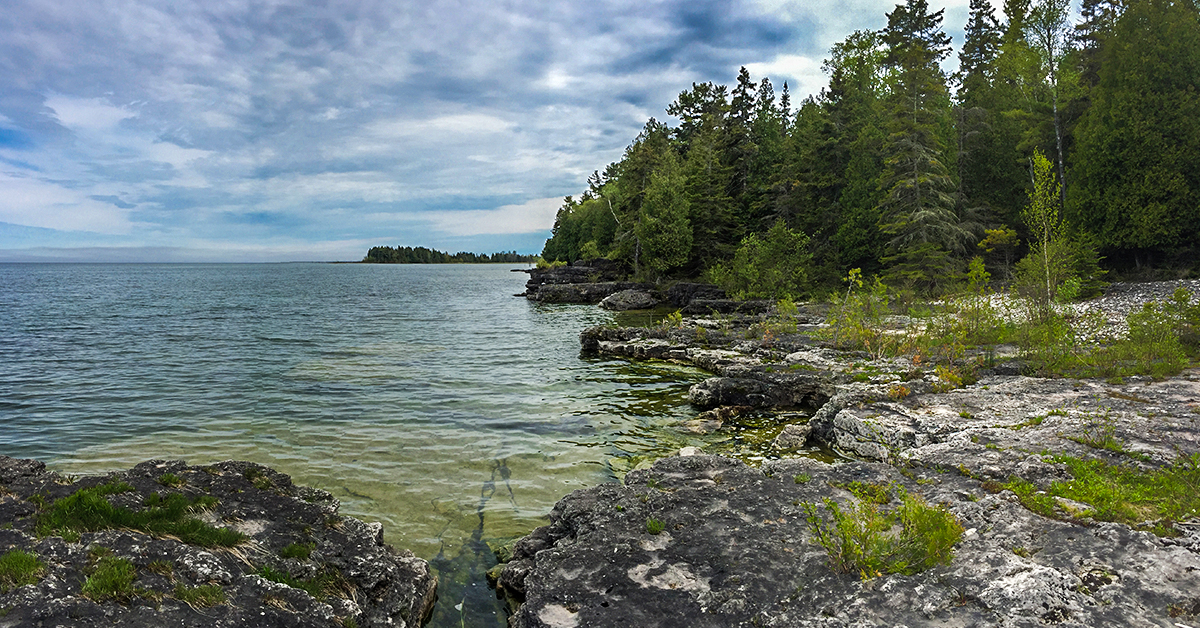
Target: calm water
(424, 397)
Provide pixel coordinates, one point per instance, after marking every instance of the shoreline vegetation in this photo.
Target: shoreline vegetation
(422, 255)
(1059, 154)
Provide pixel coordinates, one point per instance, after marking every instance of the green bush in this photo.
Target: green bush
(772, 266)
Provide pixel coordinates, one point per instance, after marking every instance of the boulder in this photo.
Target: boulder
(297, 563)
(683, 293)
(629, 300)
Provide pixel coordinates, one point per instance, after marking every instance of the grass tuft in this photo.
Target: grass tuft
(1122, 493)
(202, 596)
(19, 568)
(655, 526)
(297, 550)
(87, 510)
(112, 578)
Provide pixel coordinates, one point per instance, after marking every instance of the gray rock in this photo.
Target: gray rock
(629, 300)
(736, 551)
(682, 294)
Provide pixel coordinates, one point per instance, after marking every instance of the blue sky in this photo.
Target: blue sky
(282, 130)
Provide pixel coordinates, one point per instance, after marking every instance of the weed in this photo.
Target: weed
(674, 320)
(297, 550)
(1100, 432)
(1022, 552)
(655, 526)
(170, 480)
(874, 493)
(202, 596)
(19, 568)
(112, 578)
(802, 478)
(162, 568)
(87, 510)
(349, 622)
(862, 538)
(898, 392)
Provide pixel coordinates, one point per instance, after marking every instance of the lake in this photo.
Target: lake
(428, 398)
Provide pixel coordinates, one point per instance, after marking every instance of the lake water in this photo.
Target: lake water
(427, 398)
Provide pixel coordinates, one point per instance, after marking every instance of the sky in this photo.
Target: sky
(290, 130)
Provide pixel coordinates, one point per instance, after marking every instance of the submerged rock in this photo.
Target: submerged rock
(284, 558)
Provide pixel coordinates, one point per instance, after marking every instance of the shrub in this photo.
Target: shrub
(863, 538)
(772, 266)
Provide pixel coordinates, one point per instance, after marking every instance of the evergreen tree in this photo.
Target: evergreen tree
(918, 210)
(663, 229)
(711, 208)
(1139, 144)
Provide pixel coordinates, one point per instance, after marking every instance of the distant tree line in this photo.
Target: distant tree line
(422, 255)
(908, 172)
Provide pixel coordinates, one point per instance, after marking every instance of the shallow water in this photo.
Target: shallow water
(424, 397)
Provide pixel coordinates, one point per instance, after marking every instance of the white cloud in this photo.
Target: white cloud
(87, 114)
(35, 203)
(803, 74)
(529, 217)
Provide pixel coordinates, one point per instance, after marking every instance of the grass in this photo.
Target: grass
(655, 526)
(297, 550)
(112, 578)
(19, 568)
(88, 510)
(325, 585)
(170, 480)
(1122, 493)
(869, 541)
(202, 596)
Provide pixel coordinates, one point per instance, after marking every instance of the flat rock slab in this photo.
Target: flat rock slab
(371, 584)
(735, 550)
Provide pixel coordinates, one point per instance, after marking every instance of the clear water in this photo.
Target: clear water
(427, 398)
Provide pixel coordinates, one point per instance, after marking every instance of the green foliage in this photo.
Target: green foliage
(655, 526)
(88, 510)
(664, 229)
(297, 550)
(856, 320)
(1138, 188)
(202, 596)
(773, 266)
(170, 480)
(1155, 344)
(863, 539)
(112, 578)
(1122, 493)
(19, 568)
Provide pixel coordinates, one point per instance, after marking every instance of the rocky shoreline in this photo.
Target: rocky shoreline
(167, 544)
(735, 548)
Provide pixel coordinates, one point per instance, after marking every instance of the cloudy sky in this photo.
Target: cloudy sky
(277, 130)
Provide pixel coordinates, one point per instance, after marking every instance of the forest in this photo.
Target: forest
(422, 255)
(1059, 146)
